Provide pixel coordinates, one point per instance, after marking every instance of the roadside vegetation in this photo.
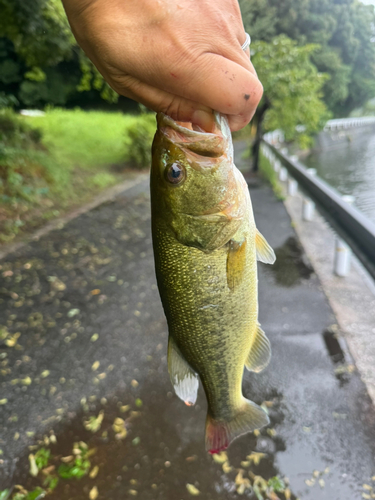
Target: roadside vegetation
(268, 173)
(52, 163)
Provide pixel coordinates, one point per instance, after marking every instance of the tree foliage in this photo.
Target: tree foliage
(345, 31)
(40, 62)
(292, 99)
(292, 87)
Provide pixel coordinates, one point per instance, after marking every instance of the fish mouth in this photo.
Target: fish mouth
(194, 139)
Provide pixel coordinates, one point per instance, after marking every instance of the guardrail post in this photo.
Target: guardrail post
(292, 187)
(283, 174)
(343, 255)
(343, 252)
(308, 208)
(277, 166)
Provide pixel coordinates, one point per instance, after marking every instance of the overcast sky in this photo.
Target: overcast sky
(369, 2)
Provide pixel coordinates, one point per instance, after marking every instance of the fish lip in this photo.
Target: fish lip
(196, 143)
(165, 121)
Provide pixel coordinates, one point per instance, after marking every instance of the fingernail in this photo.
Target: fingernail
(203, 119)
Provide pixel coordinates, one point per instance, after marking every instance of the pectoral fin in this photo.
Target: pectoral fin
(236, 261)
(260, 352)
(183, 377)
(265, 253)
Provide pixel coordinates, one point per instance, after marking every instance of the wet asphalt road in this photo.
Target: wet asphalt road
(87, 294)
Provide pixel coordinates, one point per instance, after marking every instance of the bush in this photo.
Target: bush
(25, 168)
(138, 140)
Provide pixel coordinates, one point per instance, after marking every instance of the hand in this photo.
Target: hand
(181, 57)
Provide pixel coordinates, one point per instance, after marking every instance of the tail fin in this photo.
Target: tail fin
(219, 433)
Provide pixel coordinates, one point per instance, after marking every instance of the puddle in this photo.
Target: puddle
(343, 368)
(291, 266)
(333, 346)
(161, 452)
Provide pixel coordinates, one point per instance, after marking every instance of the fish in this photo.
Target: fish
(206, 247)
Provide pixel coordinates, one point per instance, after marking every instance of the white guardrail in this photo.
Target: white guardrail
(344, 123)
(353, 230)
(277, 136)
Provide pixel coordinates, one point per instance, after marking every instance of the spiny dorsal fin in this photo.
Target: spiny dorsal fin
(260, 352)
(236, 260)
(265, 253)
(183, 377)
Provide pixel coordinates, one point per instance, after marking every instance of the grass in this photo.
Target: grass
(56, 162)
(91, 139)
(268, 173)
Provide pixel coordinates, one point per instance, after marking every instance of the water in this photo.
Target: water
(350, 168)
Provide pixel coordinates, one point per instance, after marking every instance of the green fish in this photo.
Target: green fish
(206, 246)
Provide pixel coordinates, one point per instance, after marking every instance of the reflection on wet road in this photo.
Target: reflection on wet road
(83, 331)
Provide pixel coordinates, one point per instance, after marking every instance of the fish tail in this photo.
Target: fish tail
(220, 433)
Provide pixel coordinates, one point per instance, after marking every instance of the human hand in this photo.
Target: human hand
(181, 57)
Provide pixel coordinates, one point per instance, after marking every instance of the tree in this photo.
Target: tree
(345, 31)
(292, 99)
(40, 61)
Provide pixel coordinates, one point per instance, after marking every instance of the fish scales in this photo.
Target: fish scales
(205, 240)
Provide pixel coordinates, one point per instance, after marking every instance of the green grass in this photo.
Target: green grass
(268, 173)
(90, 139)
(56, 162)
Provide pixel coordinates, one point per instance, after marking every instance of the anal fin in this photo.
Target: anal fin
(260, 352)
(264, 251)
(183, 377)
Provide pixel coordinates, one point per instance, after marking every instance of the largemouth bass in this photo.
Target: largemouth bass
(206, 246)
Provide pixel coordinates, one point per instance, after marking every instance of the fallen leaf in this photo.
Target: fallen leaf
(95, 366)
(227, 467)
(94, 493)
(72, 313)
(33, 467)
(94, 472)
(256, 457)
(220, 458)
(192, 490)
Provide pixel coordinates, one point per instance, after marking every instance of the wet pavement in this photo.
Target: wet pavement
(82, 332)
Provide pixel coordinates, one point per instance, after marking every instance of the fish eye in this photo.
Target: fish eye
(176, 173)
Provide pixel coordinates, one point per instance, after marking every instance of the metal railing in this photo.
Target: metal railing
(345, 123)
(349, 223)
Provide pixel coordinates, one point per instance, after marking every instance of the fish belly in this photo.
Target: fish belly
(212, 325)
